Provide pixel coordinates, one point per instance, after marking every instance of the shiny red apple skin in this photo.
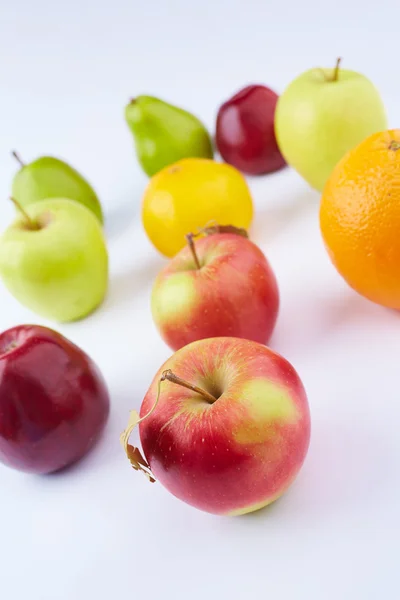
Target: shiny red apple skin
(235, 293)
(243, 451)
(54, 402)
(245, 134)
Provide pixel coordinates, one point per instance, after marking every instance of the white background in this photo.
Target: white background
(99, 531)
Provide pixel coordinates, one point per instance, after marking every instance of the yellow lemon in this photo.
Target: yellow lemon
(190, 194)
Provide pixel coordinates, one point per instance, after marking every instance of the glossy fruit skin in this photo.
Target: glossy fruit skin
(360, 218)
(54, 403)
(317, 121)
(243, 451)
(164, 133)
(235, 293)
(61, 271)
(49, 177)
(189, 195)
(245, 133)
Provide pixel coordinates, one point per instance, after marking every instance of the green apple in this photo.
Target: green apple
(53, 259)
(321, 115)
(49, 177)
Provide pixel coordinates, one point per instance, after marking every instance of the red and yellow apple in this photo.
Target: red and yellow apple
(231, 427)
(219, 285)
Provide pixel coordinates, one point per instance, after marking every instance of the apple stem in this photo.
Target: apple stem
(137, 460)
(336, 71)
(189, 239)
(18, 158)
(168, 375)
(211, 229)
(29, 221)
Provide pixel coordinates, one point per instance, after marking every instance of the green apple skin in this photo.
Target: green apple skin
(48, 177)
(318, 120)
(59, 271)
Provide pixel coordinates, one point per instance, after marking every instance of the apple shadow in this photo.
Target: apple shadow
(120, 218)
(331, 311)
(347, 468)
(273, 219)
(106, 449)
(125, 286)
(345, 471)
(86, 462)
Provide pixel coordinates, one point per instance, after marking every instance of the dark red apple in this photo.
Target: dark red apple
(245, 134)
(54, 402)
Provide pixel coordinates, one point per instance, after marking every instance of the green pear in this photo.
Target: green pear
(322, 115)
(164, 133)
(49, 177)
(54, 261)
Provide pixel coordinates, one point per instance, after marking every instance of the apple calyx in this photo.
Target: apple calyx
(18, 158)
(212, 230)
(30, 223)
(138, 462)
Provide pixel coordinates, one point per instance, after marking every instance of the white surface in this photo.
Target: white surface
(100, 531)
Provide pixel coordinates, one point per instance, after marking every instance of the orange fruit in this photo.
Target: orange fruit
(190, 194)
(360, 218)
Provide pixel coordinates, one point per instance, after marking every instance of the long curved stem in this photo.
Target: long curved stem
(170, 376)
(138, 462)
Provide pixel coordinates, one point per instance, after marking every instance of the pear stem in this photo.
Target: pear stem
(189, 239)
(168, 375)
(18, 158)
(336, 71)
(29, 221)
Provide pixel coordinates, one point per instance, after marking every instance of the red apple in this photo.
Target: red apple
(245, 134)
(231, 428)
(53, 400)
(220, 286)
